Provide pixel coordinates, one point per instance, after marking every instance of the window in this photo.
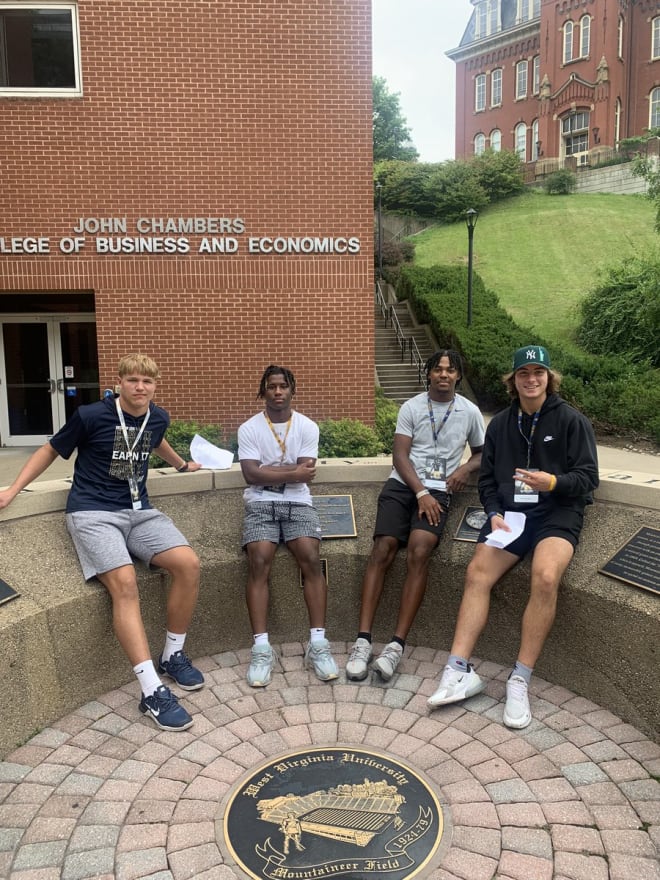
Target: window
(479, 144)
(585, 35)
(480, 92)
(496, 140)
(496, 88)
(536, 74)
(654, 116)
(521, 141)
(487, 18)
(655, 38)
(537, 8)
(528, 9)
(617, 123)
(619, 37)
(521, 79)
(568, 42)
(39, 50)
(575, 130)
(535, 140)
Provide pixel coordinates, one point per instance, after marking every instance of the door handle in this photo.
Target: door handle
(60, 386)
(52, 386)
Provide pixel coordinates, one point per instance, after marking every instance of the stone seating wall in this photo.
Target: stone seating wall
(59, 650)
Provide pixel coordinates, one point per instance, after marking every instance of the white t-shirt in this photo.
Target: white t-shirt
(256, 443)
(464, 424)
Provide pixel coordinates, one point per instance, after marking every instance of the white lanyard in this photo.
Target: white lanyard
(124, 430)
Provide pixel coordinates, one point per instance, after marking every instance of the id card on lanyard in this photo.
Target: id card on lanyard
(524, 494)
(133, 484)
(435, 470)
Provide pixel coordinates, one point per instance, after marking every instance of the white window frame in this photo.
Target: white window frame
(479, 144)
(496, 140)
(567, 52)
(619, 37)
(537, 8)
(520, 140)
(480, 93)
(617, 123)
(536, 74)
(496, 88)
(654, 108)
(486, 22)
(655, 37)
(41, 91)
(585, 36)
(535, 140)
(522, 75)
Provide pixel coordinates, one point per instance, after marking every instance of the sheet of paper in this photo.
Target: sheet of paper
(209, 455)
(500, 538)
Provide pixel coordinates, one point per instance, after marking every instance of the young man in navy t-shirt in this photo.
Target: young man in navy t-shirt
(111, 521)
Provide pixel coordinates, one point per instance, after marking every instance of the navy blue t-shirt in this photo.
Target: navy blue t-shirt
(103, 464)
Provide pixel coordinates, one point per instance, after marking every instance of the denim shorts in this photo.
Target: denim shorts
(107, 539)
(277, 521)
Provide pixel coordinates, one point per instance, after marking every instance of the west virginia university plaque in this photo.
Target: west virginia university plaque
(332, 812)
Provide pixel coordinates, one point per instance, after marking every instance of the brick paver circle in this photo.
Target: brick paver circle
(104, 793)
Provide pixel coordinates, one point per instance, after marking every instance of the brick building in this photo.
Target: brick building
(190, 180)
(553, 79)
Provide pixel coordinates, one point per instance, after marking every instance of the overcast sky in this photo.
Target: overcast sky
(410, 38)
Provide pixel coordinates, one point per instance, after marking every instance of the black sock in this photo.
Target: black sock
(366, 636)
(399, 641)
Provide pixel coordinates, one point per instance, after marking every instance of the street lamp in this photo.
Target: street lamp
(471, 221)
(379, 189)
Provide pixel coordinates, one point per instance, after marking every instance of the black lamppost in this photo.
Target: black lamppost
(471, 221)
(379, 189)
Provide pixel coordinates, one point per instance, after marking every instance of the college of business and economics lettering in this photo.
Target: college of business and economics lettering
(174, 235)
(332, 812)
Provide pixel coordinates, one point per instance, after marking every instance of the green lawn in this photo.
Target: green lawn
(541, 254)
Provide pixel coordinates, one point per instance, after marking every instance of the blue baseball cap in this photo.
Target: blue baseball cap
(531, 354)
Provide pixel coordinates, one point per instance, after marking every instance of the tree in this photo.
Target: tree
(391, 132)
(646, 167)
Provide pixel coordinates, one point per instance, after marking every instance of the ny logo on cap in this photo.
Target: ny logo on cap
(531, 354)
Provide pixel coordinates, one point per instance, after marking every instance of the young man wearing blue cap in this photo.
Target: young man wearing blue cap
(540, 459)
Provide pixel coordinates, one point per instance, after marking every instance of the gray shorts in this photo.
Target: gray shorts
(107, 539)
(277, 521)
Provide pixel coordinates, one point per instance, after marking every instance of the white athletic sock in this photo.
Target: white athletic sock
(173, 642)
(316, 634)
(261, 638)
(148, 677)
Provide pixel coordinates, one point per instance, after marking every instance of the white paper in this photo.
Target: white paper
(210, 456)
(500, 538)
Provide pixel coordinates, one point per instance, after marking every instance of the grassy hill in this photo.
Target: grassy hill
(541, 254)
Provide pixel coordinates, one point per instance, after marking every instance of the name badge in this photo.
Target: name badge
(524, 494)
(135, 492)
(435, 474)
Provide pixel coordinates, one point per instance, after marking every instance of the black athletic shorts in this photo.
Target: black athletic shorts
(397, 513)
(540, 523)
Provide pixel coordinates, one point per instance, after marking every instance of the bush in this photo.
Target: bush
(560, 183)
(179, 435)
(386, 415)
(622, 315)
(347, 438)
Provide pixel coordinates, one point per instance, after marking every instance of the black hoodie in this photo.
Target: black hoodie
(563, 445)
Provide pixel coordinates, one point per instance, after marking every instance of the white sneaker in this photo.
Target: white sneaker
(517, 713)
(456, 685)
(260, 669)
(389, 659)
(361, 654)
(317, 655)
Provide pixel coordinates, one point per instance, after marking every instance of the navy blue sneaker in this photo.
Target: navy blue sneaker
(164, 710)
(180, 669)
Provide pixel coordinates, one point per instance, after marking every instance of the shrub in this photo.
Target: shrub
(386, 415)
(180, 434)
(347, 438)
(560, 183)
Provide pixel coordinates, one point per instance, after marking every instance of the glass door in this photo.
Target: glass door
(48, 367)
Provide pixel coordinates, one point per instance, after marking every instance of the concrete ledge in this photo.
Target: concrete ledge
(60, 650)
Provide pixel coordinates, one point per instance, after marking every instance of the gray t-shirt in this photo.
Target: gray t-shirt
(464, 425)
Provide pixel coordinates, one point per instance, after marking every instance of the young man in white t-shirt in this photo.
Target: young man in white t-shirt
(277, 449)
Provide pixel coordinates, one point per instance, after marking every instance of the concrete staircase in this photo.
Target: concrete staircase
(399, 378)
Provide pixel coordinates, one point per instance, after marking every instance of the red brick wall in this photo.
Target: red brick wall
(257, 110)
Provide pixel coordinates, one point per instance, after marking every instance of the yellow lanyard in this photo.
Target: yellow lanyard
(280, 442)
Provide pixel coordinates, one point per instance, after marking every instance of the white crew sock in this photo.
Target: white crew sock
(261, 638)
(147, 676)
(173, 642)
(316, 634)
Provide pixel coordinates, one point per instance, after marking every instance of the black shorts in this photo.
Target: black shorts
(397, 513)
(540, 523)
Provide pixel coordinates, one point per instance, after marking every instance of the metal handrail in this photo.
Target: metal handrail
(381, 304)
(400, 338)
(416, 359)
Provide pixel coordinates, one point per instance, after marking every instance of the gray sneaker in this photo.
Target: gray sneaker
(261, 666)
(389, 659)
(361, 654)
(317, 654)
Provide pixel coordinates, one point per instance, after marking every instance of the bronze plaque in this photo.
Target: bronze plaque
(638, 561)
(471, 523)
(336, 515)
(6, 592)
(332, 812)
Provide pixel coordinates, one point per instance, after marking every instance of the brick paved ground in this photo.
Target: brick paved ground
(104, 793)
